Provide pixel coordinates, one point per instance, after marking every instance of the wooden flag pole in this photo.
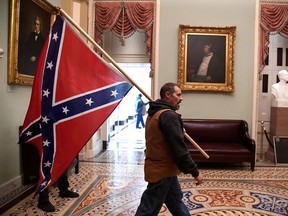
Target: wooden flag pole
(91, 40)
(196, 145)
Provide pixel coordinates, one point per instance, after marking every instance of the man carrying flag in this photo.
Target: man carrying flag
(74, 92)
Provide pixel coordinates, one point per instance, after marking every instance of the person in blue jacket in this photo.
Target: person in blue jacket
(140, 111)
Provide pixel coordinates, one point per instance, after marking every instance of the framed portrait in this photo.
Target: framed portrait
(206, 58)
(30, 23)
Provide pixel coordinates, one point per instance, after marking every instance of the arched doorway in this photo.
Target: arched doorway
(129, 37)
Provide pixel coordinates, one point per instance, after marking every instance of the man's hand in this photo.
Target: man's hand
(199, 179)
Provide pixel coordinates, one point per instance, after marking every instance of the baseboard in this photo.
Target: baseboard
(13, 192)
(11, 185)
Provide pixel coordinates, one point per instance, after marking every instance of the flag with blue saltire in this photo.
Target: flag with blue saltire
(74, 92)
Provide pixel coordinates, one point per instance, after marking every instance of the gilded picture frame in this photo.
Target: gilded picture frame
(27, 16)
(206, 58)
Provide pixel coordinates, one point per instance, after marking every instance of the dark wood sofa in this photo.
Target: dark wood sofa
(223, 140)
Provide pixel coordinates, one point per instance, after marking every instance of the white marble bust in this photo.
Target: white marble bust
(280, 90)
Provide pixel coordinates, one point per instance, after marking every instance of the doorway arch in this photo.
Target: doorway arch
(123, 24)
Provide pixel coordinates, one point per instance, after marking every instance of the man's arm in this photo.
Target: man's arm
(170, 124)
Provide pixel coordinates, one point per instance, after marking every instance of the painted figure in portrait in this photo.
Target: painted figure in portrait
(34, 26)
(206, 59)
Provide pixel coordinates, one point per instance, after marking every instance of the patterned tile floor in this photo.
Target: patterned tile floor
(112, 183)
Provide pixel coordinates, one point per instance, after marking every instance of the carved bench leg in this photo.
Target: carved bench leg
(252, 165)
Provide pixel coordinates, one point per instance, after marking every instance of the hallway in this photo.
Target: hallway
(112, 183)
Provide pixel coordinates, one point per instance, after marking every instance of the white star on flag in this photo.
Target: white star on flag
(114, 93)
(65, 110)
(89, 101)
(55, 36)
(29, 133)
(46, 93)
(44, 183)
(46, 143)
(47, 164)
(45, 119)
(50, 65)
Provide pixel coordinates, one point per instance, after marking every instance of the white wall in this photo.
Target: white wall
(218, 13)
(12, 110)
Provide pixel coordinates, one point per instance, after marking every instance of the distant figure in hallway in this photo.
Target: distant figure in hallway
(140, 111)
(280, 89)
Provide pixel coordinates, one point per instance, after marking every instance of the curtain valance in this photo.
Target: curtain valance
(274, 20)
(124, 19)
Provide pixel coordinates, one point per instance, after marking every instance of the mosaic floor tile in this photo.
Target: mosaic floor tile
(112, 183)
(115, 189)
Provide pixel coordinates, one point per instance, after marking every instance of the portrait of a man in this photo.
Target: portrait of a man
(206, 59)
(34, 26)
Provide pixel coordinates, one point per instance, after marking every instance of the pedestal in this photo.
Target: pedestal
(278, 127)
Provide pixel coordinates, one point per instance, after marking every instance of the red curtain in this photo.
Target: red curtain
(274, 20)
(124, 19)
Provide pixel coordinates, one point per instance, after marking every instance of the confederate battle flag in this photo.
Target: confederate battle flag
(74, 92)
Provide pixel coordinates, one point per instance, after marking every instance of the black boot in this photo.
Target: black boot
(46, 206)
(43, 202)
(63, 185)
(68, 193)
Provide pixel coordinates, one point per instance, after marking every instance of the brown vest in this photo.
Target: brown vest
(159, 163)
